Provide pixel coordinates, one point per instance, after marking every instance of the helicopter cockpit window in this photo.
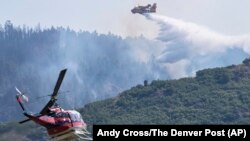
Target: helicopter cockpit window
(52, 114)
(62, 115)
(61, 118)
(75, 117)
(59, 115)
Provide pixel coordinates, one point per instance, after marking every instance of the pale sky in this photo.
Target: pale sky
(230, 17)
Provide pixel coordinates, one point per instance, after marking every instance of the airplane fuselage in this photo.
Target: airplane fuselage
(144, 9)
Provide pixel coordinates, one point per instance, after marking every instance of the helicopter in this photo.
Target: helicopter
(61, 125)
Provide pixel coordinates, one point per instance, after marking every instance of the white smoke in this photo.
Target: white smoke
(190, 47)
(101, 66)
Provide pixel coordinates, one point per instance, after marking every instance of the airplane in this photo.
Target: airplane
(144, 9)
(61, 125)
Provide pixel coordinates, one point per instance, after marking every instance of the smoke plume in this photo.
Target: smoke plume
(102, 66)
(190, 47)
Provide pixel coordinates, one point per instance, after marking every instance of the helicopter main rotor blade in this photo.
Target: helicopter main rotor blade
(58, 83)
(55, 92)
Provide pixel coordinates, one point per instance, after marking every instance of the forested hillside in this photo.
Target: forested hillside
(214, 96)
(99, 66)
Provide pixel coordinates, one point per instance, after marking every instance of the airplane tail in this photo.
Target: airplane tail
(154, 5)
(153, 8)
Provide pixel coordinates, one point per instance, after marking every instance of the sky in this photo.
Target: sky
(228, 17)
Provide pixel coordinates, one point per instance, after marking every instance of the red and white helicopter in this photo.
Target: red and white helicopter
(61, 125)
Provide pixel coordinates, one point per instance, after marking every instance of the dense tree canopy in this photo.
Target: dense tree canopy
(99, 65)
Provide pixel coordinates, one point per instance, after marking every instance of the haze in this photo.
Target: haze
(224, 16)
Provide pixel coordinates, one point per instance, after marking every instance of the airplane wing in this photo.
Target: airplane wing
(54, 94)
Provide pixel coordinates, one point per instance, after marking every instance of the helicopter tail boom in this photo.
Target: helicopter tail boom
(23, 121)
(30, 117)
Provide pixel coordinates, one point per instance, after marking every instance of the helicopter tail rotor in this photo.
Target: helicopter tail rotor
(21, 98)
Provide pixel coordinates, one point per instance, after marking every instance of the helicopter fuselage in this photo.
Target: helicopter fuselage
(59, 120)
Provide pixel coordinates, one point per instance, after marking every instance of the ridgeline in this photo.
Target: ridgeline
(214, 96)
